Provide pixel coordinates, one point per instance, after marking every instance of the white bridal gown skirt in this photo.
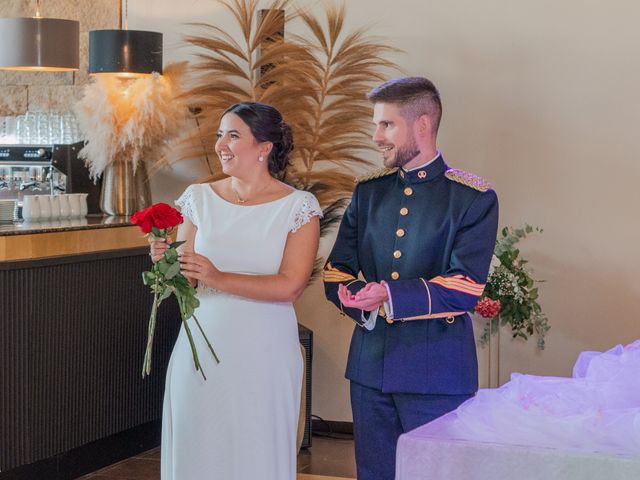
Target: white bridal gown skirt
(241, 423)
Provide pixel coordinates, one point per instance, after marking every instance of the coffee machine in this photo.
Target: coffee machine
(43, 163)
(45, 169)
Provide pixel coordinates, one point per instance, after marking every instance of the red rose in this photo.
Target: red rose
(143, 220)
(165, 216)
(159, 215)
(488, 308)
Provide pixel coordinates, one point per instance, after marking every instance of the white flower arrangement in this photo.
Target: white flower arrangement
(510, 295)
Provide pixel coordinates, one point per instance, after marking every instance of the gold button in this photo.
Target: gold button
(400, 232)
(450, 320)
(397, 254)
(422, 174)
(401, 173)
(404, 211)
(395, 275)
(408, 191)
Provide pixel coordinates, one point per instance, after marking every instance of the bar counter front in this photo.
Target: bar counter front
(72, 339)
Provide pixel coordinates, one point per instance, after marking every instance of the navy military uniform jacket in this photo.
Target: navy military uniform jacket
(430, 235)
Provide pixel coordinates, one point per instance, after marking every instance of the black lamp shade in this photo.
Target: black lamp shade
(133, 52)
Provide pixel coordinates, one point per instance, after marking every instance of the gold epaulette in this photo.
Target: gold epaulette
(468, 179)
(381, 172)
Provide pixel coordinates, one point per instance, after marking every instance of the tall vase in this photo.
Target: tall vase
(124, 193)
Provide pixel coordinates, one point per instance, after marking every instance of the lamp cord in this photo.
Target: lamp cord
(124, 14)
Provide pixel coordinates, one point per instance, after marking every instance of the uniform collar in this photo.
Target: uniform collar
(424, 173)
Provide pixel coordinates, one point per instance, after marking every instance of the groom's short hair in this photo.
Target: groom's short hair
(416, 96)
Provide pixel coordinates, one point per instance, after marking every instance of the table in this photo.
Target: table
(438, 450)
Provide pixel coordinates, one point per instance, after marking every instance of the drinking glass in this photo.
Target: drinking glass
(30, 208)
(44, 202)
(55, 206)
(74, 204)
(64, 205)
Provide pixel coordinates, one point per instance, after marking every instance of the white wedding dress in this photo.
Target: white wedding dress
(241, 423)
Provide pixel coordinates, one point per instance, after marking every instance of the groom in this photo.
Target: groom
(421, 235)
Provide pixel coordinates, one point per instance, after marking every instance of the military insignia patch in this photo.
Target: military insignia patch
(468, 179)
(381, 172)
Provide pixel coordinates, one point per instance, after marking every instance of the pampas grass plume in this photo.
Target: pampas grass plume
(130, 120)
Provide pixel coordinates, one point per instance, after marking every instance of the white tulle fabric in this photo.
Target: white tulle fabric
(241, 423)
(598, 409)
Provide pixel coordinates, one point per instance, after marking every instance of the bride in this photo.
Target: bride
(250, 246)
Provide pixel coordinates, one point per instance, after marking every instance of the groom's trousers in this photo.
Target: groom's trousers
(380, 418)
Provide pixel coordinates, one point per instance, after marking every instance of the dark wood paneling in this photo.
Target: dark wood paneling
(72, 339)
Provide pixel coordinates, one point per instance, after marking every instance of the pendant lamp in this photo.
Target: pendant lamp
(124, 52)
(39, 44)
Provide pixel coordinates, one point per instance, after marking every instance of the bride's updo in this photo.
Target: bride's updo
(266, 125)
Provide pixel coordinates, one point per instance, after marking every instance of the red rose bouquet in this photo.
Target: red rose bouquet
(165, 279)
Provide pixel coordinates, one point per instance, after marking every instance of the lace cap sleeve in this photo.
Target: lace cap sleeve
(306, 208)
(186, 203)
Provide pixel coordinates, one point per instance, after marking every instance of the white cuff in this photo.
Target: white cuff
(370, 323)
(388, 305)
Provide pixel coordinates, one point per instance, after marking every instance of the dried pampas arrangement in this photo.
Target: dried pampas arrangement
(130, 120)
(317, 80)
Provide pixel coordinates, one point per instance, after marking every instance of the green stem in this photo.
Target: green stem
(206, 339)
(146, 364)
(188, 332)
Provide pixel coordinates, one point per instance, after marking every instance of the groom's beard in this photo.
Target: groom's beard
(403, 155)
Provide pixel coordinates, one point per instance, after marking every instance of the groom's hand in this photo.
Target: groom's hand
(369, 298)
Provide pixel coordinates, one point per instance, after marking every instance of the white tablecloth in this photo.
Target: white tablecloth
(437, 451)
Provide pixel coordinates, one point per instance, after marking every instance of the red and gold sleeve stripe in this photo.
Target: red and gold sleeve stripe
(331, 274)
(432, 316)
(459, 283)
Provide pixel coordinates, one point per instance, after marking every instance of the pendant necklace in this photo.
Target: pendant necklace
(239, 199)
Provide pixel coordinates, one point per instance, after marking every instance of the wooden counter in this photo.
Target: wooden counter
(28, 241)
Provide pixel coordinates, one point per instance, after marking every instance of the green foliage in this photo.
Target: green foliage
(511, 283)
(165, 279)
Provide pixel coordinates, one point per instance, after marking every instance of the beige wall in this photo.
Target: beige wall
(541, 98)
(53, 91)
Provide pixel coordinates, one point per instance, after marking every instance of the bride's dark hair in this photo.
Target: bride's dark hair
(266, 125)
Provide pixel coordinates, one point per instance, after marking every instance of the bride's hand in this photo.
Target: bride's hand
(198, 267)
(157, 248)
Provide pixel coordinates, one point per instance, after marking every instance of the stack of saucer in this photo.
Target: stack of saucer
(6, 211)
(17, 213)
